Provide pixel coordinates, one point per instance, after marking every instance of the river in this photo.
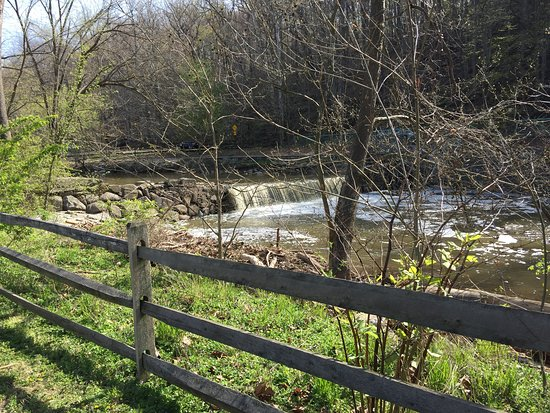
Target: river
(510, 242)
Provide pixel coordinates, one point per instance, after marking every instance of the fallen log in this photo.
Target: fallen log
(493, 298)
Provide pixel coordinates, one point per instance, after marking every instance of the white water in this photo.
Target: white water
(301, 224)
(261, 194)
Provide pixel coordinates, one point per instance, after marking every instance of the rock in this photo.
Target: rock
(75, 185)
(172, 216)
(154, 197)
(128, 188)
(187, 200)
(56, 202)
(161, 201)
(182, 209)
(214, 199)
(132, 194)
(166, 203)
(130, 191)
(117, 189)
(90, 199)
(96, 208)
(184, 217)
(205, 210)
(110, 197)
(71, 203)
(115, 211)
(193, 210)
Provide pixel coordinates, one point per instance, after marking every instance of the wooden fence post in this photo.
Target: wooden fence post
(144, 333)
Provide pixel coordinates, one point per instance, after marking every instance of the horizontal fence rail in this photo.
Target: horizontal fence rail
(100, 339)
(99, 240)
(521, 328)
(86, 285)
(374, 384)
(221, 396)
(230, 400)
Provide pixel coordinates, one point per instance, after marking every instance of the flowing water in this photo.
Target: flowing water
(293, 211)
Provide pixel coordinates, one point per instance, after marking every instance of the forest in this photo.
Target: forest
(157, 73)
(458, 89)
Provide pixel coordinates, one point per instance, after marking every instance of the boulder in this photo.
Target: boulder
(182, 209)
(71, 203)
(128, 188)
(117, 189)
(75, 185)
(161, 201)
(110, 197)
(132, 194)
(90, 199)
(187, 200)
(154, 197)
(184, 217)
(115, 211)
(96, 207)
(56, 202)
(172, 216)
(130, 191)
(193, 210)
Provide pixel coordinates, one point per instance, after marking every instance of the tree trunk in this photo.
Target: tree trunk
(3, 108)
(341, 236)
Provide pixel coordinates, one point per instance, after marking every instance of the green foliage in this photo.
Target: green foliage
(22, 164)
(132, 211)
(77, 112)
(54, 370)
(485, 373)
(200, 103)
(538, 268)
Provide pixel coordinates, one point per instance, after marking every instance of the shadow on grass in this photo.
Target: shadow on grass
(23, 398)
(133, 394)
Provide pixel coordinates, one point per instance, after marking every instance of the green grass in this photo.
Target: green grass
(487, 373)
(45, 369)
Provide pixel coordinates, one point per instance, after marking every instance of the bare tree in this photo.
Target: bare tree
(58, 53)
(3, 108)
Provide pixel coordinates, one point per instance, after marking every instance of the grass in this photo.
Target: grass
(45, 369)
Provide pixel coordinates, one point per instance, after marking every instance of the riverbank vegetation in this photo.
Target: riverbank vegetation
(43, 368)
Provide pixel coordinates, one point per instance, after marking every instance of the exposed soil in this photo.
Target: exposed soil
(273, 256)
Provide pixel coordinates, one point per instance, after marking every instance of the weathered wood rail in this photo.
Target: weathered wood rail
(521, 328)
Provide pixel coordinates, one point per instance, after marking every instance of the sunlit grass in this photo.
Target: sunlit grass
(45, 369)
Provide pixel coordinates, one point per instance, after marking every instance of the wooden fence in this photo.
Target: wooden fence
(520, 328)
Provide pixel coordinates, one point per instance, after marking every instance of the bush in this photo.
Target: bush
(21, 164)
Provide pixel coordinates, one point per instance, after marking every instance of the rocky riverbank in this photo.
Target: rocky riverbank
(178, 199)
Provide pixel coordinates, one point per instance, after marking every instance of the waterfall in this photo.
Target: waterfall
(254, 195)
